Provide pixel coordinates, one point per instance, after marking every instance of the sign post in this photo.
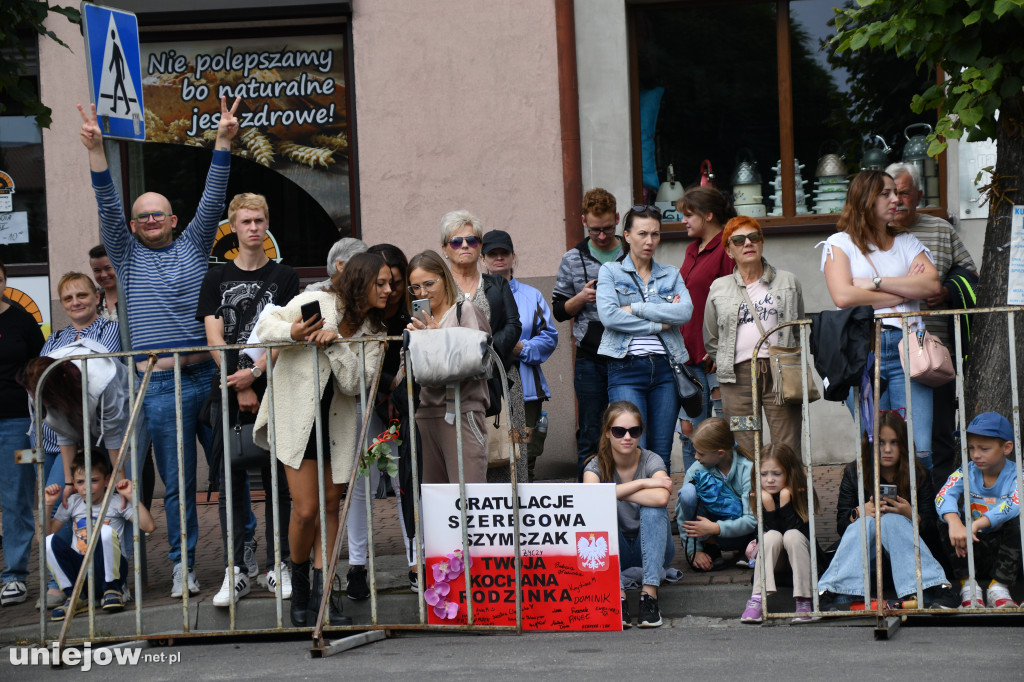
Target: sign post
(1015, 283)
(115, 72)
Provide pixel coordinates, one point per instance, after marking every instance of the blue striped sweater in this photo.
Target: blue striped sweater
(161, 286)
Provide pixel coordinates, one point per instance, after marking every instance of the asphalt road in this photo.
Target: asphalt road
(706, 648)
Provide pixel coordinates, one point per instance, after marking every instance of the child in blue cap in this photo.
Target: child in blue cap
(994, 514)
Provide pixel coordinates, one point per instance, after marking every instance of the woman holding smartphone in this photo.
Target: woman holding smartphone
(354, 306)
(430, 279)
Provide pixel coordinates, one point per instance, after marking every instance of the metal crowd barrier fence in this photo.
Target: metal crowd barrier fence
(375, 629)
(887, 613)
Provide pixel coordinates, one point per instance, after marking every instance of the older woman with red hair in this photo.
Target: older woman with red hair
(740, 308)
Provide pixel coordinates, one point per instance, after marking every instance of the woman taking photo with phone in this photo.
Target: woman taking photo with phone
(353, 307)
(641, 304)
(741, 307)
(871, 261)
(430, 279)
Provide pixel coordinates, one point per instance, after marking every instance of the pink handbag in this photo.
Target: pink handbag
(929, 360)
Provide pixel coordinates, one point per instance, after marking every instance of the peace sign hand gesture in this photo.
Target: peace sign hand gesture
(227, 128)
(92, 136)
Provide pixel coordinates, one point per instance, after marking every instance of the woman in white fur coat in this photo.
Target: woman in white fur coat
(353, 307)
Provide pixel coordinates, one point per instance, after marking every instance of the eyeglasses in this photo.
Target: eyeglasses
(595, 231)
(740, 239)
(426, 287)
(620, 432)
(155, 216)
(471, 242)
(646, 208)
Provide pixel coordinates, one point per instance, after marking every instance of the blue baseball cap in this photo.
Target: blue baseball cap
(991, 424)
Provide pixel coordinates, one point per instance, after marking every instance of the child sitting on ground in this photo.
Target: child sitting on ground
(713, 506)
(110, 564)
(994, 514)
(784, 497)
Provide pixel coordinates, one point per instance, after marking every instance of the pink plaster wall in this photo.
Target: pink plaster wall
(70, 206)
(457, 107)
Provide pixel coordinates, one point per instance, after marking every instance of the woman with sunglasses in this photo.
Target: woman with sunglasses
(871, 261)
(461, 244)
(704, 211)
(641, 304)
(643, 489)
(731, 330)
(430, 278)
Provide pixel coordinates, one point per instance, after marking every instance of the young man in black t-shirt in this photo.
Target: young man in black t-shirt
(230, 302)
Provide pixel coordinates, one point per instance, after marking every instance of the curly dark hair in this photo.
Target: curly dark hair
(360, 273)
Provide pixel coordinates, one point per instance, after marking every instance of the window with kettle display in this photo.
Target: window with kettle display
(758, 83)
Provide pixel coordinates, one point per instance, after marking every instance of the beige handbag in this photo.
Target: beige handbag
(786, 367)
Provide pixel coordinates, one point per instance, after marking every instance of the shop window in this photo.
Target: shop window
(293, 146)
(746, 85)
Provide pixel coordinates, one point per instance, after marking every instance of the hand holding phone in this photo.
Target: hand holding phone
(310, 320)
(421, 309)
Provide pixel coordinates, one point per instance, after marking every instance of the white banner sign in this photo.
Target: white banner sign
(1015, 277)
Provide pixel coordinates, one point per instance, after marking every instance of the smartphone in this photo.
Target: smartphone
(311, 311)
(888, 491)
(420, 309)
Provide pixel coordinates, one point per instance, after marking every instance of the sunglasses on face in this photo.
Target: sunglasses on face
(471, 242)
(156, 216)
(620, 432)
(740, 239)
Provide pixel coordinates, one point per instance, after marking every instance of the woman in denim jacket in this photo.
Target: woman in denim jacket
(641, 305)
(730, 332)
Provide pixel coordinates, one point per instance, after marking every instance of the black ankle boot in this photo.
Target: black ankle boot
(316, 594)
(300, 593)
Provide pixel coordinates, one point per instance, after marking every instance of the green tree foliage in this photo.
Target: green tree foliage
(978, 45)
(20, 21)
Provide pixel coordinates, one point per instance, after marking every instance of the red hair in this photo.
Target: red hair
(735, 224)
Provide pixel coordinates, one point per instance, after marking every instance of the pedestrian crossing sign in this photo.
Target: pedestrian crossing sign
(115, 71)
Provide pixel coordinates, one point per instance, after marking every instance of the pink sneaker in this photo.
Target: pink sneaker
(804, 607)
(753, 612)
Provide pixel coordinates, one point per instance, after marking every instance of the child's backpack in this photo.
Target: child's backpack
(715, 495)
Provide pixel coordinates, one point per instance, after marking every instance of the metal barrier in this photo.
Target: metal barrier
(322, 626)
(887, 614)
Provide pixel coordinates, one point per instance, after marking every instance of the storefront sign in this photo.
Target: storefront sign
(568, 537)
(115, 76)
(6, 192)
(1015, 278)
(14, 227)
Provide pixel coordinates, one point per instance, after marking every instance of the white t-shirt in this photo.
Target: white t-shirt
(747, 333)
(892, 263)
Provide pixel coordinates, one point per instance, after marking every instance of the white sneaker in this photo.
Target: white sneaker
(966, 602)
(998, 597)
(193, 583)
(286, 581)
(238, 584)
(252, 566)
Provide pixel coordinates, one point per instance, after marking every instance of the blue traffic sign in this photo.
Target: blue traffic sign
(115, 71)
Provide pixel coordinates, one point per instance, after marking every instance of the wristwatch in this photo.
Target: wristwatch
(878, 282)
(257, 372)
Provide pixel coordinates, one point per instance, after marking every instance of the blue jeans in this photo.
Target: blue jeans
(845, 575)
(647, 381)
(894, 394)
(590, 379)
(689, 507)
(17, 496)
(651, 549)
(160, 421)
(712, 408)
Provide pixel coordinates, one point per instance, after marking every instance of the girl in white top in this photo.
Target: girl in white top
(872, 262)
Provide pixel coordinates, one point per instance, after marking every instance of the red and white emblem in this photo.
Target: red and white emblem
(592, 551)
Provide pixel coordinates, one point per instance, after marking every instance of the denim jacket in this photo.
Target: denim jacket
(721, 315)
(617, 285)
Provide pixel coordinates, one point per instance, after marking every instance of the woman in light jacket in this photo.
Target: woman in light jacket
(352, 307)
(731, 332)
(641, 304)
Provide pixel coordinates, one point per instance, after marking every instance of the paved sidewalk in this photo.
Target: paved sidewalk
(721, 593)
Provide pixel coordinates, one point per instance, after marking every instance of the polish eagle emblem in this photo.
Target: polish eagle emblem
(592, 551)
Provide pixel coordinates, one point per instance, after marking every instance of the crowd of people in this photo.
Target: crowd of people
(636, 322)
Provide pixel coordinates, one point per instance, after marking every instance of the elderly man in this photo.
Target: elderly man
(340, 253)
(947, 250)
(161, 276)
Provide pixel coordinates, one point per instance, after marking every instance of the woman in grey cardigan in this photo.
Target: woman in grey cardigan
(731, 331)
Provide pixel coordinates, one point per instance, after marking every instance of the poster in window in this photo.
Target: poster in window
(293, 116)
